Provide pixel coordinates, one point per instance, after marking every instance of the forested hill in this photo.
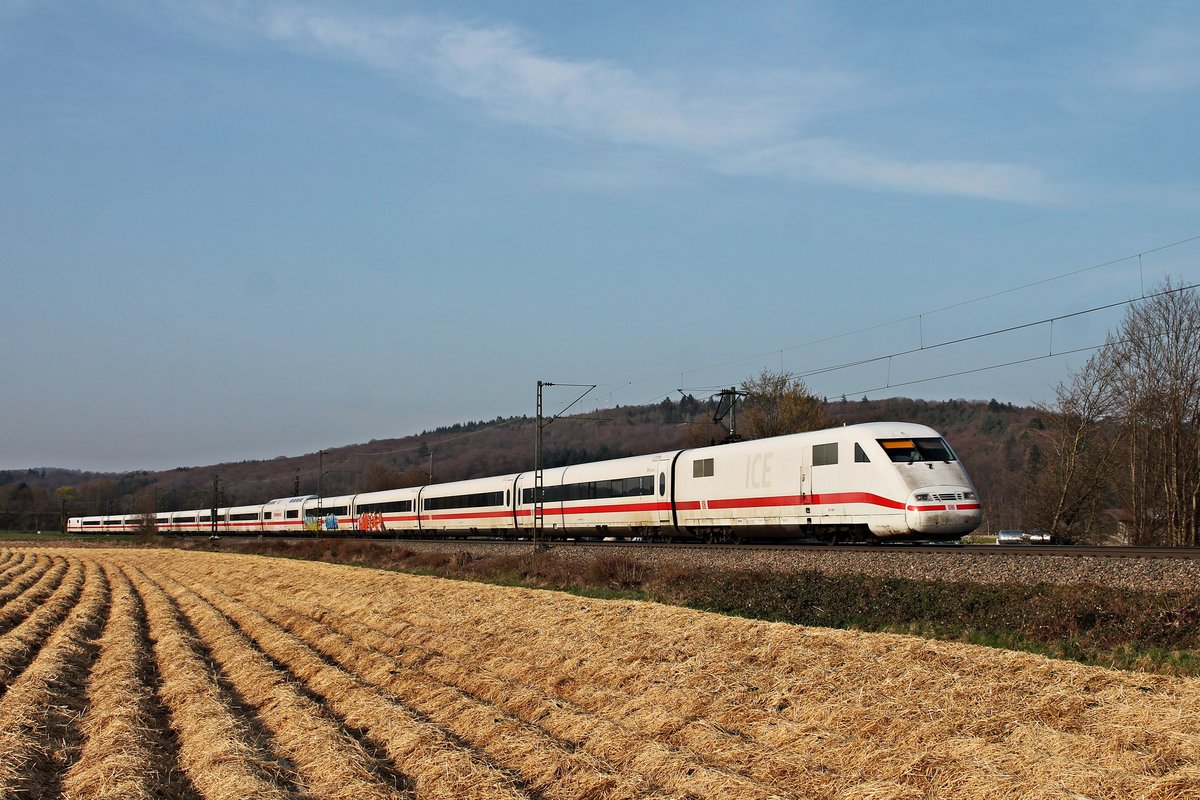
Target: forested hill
(993, 439)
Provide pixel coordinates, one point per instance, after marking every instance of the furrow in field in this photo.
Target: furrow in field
(439, 765)
(535, 679)
(217, 751)
(533, 690)
(13, 566)
(39, 715)
(529, 732)
(547, 766)
(20, 644)
(329, 761)
(11, 558)
(844, 710)
(29, 590)
(774, 701)
(125, 754)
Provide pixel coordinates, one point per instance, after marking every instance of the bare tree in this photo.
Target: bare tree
(380, 477)
(779, 403)
(703, 432)
(1153, 374)
(146, 527)
(1072, 483)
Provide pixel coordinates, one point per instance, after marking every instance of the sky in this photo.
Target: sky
(238, 230)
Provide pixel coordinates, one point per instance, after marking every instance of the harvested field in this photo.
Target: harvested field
(161, 673)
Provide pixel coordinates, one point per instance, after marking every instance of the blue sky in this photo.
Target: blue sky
(241, 230)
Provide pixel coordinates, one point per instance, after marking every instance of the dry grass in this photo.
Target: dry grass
(121, 757)
(330, 763)
(216, 748)
(26, 591)
(265, 678)
(39, 711)
(19, 574)
(37, 619)
(436, 764)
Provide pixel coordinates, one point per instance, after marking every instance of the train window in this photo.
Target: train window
(906, 451)
(337, 511)
(293, 513)
(860, 455)
(702, 468)
(662, 484)
(247, 517)
(478, 500)
(825, 454)
(643, 485)
(393, 506)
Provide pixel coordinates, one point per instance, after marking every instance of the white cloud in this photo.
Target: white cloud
(495, 67)
(1162, 60)
(744, 125)
(832, 161)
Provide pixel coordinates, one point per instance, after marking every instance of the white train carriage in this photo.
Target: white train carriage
(180, 522)
(240, 519)
(621, 497)
(285, 514)
(389, 511)
(328, 514)
(875, 480)
(480, 506)
(108, 524)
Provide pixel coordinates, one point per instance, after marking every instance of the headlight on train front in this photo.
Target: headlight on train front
(968, 495)
(922, 497)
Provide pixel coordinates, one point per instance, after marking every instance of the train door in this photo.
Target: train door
(660, 472)
(823, 495)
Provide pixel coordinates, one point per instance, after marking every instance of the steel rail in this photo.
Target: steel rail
(1075, 551)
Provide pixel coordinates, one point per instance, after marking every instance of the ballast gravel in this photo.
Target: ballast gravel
(1126, 572)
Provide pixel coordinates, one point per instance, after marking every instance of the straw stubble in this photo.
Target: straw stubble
(285, 679)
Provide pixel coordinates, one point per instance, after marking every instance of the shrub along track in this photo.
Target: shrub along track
(151, 673)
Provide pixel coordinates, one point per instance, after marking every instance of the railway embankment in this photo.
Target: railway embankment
(952, 564)
(1131, 613)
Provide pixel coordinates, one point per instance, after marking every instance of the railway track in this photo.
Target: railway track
(1080, 551)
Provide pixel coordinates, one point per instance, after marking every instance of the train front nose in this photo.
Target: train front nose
(943, 510)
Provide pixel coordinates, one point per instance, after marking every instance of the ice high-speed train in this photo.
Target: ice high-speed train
(875, 481)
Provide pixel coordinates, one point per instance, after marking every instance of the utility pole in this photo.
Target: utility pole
(320, 475)
(215, 485)
(539, 450)
(537, 469)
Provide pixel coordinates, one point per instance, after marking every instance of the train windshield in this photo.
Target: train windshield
(906, 451)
